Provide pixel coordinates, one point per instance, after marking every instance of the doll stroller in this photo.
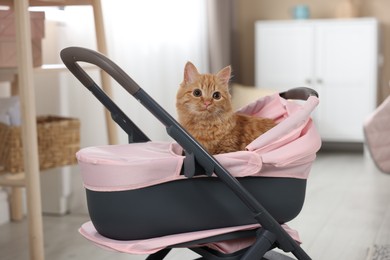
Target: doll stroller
(149, 197)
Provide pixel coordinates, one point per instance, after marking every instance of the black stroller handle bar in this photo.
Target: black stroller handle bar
(72, 55)
(195, 153)
(301, 93)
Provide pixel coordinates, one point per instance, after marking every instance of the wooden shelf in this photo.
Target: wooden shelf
(13, 180)
(50, 2)
(25, 84)
(61, 68)
(6, 74)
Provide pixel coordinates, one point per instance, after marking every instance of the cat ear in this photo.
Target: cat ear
(190, 73)
(224, 74)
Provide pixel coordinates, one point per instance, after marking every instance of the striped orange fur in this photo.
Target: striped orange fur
(204, 109)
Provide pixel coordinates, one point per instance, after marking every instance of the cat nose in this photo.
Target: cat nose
(207, 103)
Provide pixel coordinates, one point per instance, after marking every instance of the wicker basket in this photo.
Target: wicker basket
(58, 141)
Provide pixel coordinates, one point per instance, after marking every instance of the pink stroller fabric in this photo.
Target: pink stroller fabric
(150, 246)
(287, 150)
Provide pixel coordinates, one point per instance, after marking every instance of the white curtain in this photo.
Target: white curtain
(151, 40)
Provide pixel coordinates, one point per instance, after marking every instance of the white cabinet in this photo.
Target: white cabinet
(337, 58)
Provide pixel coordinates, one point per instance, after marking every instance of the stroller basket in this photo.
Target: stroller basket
(145, 190)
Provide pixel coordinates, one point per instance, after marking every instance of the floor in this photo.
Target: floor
(347, 209)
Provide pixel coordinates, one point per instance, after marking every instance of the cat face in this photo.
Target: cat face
(204, 94)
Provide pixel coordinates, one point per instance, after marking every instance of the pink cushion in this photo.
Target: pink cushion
(377, 135)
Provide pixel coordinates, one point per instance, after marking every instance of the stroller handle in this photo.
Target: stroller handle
(301, 93)
(70, 56)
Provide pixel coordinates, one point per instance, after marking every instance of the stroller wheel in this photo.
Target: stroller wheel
(270, 255)
(159, 255)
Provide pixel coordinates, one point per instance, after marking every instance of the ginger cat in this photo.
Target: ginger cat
(204, 109)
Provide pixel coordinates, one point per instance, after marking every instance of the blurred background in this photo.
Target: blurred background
(264, 41)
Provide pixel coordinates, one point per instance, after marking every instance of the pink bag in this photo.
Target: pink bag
(377, 135)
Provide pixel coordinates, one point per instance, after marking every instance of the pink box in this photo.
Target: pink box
(8, 42)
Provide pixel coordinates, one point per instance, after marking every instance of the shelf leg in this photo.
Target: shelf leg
(16, 202)
(15, 86)
(29, 129)
(106, 80)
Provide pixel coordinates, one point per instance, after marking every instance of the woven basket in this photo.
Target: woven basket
(58, 141)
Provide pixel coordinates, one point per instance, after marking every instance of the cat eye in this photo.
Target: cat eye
(197, 92)
(217, 95)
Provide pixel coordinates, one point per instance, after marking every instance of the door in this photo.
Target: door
(345, 77)
(284, 55)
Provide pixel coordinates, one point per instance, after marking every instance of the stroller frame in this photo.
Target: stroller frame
(268, 236)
